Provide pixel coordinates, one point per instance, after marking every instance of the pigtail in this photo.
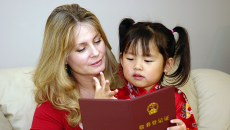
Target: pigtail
(182, 54)
(123, 29)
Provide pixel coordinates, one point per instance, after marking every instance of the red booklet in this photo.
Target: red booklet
(152, 111)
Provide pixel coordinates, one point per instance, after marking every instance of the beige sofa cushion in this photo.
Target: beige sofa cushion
(16, 97)
(4, 123)
(213, 92)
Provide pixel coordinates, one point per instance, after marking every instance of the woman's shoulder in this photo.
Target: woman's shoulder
(47, 116)
(47, 111)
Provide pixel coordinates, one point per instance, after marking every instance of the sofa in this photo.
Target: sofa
(207, 90)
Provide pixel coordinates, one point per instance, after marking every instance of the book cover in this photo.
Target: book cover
(147, 112)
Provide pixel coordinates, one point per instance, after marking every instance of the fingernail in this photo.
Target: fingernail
(167, 128)
(171, 121)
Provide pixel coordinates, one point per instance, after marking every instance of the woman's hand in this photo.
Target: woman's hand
(180, 125)
(102, 91)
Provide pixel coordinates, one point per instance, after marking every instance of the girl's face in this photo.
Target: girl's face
(142, 71)
(88, 56)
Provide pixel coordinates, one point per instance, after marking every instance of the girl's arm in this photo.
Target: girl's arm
(184, 111)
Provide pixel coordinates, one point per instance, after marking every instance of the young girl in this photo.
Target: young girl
(147, 53)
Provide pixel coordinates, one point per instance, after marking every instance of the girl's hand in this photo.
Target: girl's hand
(103, 91)
(180, 125)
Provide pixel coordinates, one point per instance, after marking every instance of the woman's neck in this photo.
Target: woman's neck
(86, 86)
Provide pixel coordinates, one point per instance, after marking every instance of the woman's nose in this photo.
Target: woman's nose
(94, 51)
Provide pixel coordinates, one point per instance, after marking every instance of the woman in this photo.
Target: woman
(75, 49)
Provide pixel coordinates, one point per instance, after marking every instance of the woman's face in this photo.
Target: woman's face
(88, 56)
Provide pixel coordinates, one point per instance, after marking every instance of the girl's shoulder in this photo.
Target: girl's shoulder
(179, 95)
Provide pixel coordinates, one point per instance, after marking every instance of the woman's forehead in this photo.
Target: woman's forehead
(84, 32)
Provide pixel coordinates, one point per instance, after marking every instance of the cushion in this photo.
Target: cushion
(16, 97)
(4, 123)
(213, 88)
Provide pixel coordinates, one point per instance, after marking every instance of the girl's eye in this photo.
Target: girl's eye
(148, 61)
(130, 59)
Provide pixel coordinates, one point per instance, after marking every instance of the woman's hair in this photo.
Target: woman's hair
(152, 32)
(54, 83)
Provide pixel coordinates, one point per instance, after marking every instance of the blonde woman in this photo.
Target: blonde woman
(75, 49)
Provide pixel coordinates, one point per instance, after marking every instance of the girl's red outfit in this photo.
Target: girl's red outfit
(183, 109)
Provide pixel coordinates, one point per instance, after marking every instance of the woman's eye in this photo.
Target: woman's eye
(80, 50)
(98, 41)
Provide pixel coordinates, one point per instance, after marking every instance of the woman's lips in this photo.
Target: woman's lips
(138, 76)
(97, 63)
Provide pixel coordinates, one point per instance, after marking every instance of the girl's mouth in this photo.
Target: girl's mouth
(138, 76)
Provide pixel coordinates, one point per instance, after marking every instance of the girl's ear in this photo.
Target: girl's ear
(168, 65)
(121, 58)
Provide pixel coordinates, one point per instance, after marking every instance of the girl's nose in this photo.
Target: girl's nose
(138, 66)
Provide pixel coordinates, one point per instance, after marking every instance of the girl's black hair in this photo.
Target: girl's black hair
(130, 33)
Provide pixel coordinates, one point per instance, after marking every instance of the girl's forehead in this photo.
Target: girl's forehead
(143, 49)
(142, 45)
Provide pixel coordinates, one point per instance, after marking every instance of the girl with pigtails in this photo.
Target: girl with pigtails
(148, 51)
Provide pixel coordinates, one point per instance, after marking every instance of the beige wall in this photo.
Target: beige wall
(208, 23)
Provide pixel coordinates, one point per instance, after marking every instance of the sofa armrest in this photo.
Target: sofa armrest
(213, 88)
(17, 101)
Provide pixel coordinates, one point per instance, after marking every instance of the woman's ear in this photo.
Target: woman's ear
(168, 65)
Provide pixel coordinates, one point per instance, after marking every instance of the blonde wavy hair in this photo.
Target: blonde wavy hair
(53, 82)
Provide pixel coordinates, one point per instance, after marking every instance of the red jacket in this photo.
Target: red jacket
(48, 118)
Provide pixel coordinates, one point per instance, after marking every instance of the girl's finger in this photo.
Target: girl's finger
(112, 93)
(97, 83)
(180, 125)
(107, 87)
(102, 79)
(177, 121)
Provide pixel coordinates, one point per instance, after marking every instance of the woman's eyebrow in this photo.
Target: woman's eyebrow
(98, 34)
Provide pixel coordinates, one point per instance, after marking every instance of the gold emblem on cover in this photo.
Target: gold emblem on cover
(152, 108)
